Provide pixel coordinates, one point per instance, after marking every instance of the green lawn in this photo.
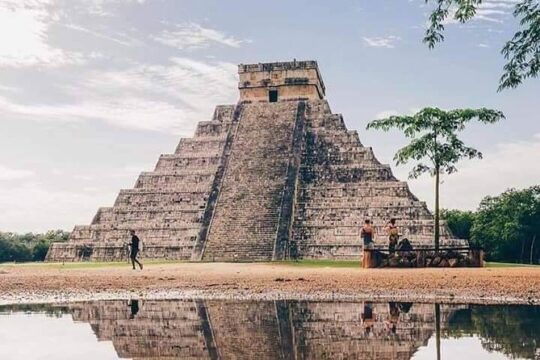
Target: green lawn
(93, 265)
(86, 265)
(321, 263)
(500, 264)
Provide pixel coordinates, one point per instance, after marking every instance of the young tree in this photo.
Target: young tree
(522, 52)
(434, 142)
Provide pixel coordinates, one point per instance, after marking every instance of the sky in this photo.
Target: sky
(43, 337)
(93, 91)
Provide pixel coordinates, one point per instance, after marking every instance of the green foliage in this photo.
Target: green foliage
(29, 246)
(460, 222)
(433, 133)
(512, 330)
(508, 226)
(522, 52)
(434, 144)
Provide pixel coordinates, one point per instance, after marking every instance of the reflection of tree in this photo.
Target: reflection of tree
(56, 311)
(512, 330)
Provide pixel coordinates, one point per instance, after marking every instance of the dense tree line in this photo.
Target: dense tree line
(507, 226)
(28, 247)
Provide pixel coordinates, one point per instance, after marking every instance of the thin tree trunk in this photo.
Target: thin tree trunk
(437, 227)
(532, 249)
(522, 251)
(438, 330)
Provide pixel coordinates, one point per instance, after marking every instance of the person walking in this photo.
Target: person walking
(393, 235)
(134, 247)
(134, 307)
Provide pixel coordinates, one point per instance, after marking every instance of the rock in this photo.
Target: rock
(405, 263)
(443, 263)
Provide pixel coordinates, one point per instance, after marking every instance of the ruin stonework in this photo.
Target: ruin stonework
(275, 172)
(283, 329)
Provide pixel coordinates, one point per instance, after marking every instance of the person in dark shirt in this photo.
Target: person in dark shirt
(134, 306)
(134, 245)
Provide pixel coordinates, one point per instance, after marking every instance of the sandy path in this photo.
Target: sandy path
(267, 281)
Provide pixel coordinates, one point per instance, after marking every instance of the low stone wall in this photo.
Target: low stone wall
(449, 257)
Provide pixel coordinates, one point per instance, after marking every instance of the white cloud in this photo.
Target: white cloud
(100, 7)
(24, 26)
(511, 165)
(10, 89)
(7, 173)
(383, 41)
(47, 209)
(194, 36)
(482, 45)
(168, 98)
(386, 113)
(494, 11)
(122, 39)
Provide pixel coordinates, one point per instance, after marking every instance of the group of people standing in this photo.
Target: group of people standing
(368, 234)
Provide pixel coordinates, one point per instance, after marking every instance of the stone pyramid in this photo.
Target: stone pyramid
(275, 172)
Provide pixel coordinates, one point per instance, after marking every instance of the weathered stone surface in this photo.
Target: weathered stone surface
(264, 330)
(273, 173)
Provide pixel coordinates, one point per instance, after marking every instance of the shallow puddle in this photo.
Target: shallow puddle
(228, 329)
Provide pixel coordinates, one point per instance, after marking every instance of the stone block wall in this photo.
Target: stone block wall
(292, 80)
(172, 329)
(166, 207)
(217, 329)
(341, 184)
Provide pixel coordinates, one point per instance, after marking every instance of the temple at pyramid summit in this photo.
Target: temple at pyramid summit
(277, 173)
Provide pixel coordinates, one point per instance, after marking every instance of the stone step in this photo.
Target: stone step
(254, 180)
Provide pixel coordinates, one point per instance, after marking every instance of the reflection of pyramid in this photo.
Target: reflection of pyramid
(277, 172)
(261, 330)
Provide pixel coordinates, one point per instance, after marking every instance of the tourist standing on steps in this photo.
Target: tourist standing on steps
(367, 234)
(393, 235)
(134, 245)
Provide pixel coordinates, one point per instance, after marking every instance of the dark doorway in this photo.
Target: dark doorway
(85, 253)
(272, 96)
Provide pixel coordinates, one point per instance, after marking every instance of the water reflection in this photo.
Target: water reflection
(212, 329)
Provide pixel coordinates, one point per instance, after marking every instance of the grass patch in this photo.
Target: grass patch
(87, 264)
(321, 263)
(501, 264)
(301, 263)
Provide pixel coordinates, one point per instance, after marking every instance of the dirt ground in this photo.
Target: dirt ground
(45, 283)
